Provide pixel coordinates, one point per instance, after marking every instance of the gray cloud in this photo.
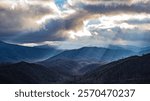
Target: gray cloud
(128, 35)
(133, 34)
(138, 22)
(51, 32)
(21, 18)
(19, 24)
(117, 8)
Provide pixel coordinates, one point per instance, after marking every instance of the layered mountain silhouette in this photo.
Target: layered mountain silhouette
(114, 64)
(15, 53)
(135, 69)
(94, 54)
(63, 66)
(145, 50)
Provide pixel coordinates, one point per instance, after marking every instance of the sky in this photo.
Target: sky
(70, 24)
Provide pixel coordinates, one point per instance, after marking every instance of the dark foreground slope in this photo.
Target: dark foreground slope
(62, 66)
(27, 73)
(134, 69)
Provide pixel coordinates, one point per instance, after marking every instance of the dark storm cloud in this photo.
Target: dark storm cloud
(117, 8)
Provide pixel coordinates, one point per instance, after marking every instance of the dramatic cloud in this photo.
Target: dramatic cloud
(18, 17)
(78, 22)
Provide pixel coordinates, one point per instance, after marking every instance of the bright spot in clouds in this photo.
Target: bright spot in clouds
(82, 33)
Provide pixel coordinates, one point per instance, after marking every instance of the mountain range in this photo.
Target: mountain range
(145, 50)
(15, 53)
(135, 69)
(45, 64)
(93, 54)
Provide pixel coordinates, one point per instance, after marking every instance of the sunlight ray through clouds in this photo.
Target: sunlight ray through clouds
(37, 21)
